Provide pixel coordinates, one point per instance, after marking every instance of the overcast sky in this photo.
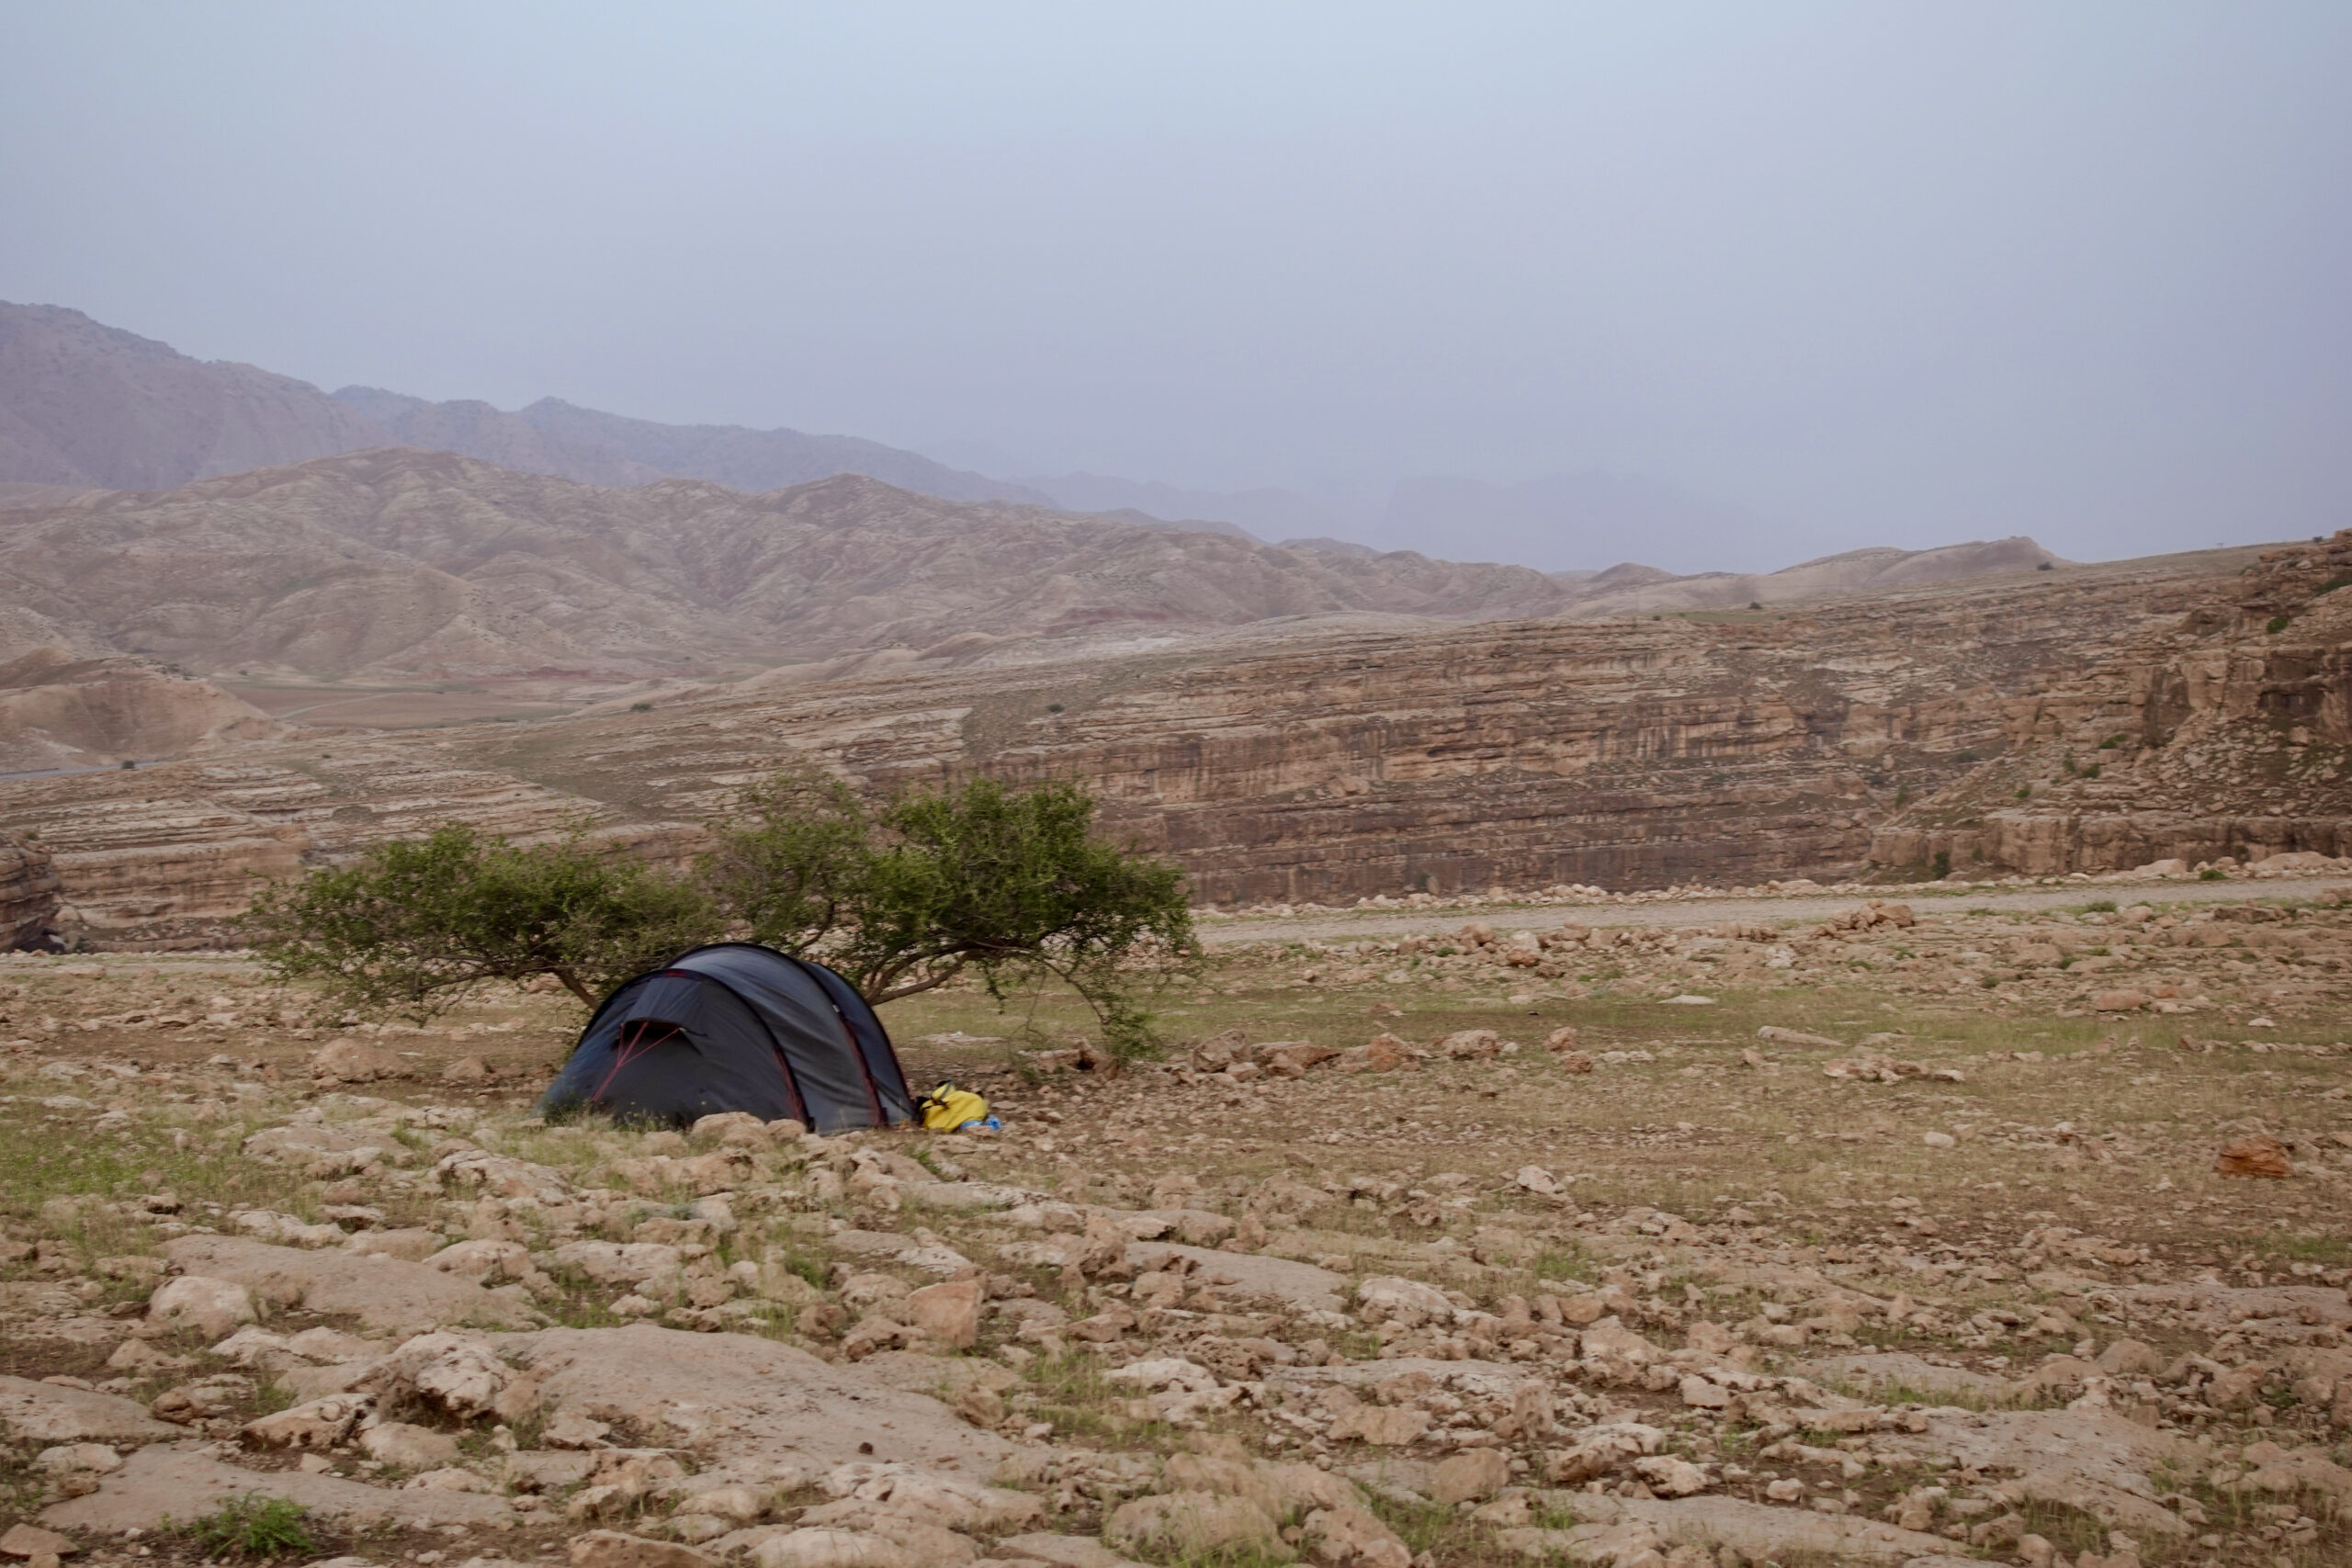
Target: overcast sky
(1883, 272)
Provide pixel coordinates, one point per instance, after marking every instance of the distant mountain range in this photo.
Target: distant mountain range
(83, 405)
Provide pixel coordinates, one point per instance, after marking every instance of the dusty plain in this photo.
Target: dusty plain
(1908, 1243)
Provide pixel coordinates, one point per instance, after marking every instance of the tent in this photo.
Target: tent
(737, 1027)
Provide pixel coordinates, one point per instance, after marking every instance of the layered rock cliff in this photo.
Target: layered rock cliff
(2221, 732)
(1325, 765)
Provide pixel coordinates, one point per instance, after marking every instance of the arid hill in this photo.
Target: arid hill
(404, 563)
(408, 563)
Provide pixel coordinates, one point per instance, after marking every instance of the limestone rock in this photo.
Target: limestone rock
(1388, 1427)
(743, 1396)
(1191, 1522)
(382, 1292)
(1472, 1475)
(404, 1446)
(822, 1548)
(614, 1549)
(1351, 1536)
(1059, 1552)
(187, 1483)
(209, 1306)
(42, 1413)
(320, 1424)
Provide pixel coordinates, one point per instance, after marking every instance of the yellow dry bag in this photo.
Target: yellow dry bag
(947, 1107)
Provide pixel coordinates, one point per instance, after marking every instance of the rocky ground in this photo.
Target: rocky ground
(1919, 1233)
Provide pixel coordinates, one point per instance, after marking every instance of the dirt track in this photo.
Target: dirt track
(1393, 924)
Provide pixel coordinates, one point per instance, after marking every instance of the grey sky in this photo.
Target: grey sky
(1881, 273)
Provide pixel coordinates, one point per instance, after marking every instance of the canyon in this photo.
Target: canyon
(1336, 758)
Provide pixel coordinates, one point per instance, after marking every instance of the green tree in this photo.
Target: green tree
(412, 927)
(1014, 886)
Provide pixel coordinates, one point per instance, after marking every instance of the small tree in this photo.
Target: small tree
(1012, 885)
(412, 927)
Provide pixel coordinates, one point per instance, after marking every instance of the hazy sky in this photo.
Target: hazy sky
(1885, 272)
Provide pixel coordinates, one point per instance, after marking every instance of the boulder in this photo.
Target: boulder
(744, 1399)
(407, 1446)
(1301, 1287)
(949, 1312)
(1059, 1551)
(823, 1548)
(1382, 1054)
(44, 1414)
(32, 1541)
(320, 1424)
(1471, 1475)
(1189, 1523)
(449, 1372)
(1381, 1425)
(2260, 1156)
(614, 1549)
(77, 1459)
(189, 1483)
(1293, 1057)
(1351, 1536)
(384, 1293)
(209, 1306)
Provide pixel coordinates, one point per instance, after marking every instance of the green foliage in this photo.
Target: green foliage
(2110, 743)
(2213, 873)
(1942, 864)
(412, 927)
(2331, 585)
(248, 1527)
(2025, 792)
(1014, 886)
(2091, 772)
(2276, 623)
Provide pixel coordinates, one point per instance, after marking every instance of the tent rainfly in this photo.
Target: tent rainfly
(737, 1027)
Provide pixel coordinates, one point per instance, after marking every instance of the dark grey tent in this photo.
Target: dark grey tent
(737, 1027)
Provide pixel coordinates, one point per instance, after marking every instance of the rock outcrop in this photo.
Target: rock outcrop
(2221, 732)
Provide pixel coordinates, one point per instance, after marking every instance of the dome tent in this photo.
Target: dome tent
(737, 1027)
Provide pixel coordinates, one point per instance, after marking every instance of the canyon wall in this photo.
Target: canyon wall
(1319, 765)
(2222, 732)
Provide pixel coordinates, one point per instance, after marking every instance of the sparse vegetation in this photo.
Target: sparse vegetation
(1013, 886)
(250, 1527)
(415, 926)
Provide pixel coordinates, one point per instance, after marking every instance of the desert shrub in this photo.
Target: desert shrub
(1013, 886)
(413, 926)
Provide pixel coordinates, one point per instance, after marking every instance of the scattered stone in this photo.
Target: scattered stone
(32, 1541)
(2260, 1156)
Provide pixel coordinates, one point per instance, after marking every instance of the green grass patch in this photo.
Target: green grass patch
(249, 1527)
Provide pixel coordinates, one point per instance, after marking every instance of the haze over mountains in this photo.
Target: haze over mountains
(83, 405)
